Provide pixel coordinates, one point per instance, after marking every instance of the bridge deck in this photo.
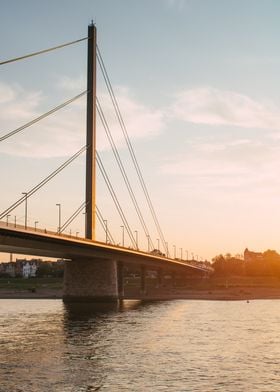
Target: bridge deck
(50, 244)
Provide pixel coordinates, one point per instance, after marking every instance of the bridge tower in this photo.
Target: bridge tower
(92, 279)
(91, 135)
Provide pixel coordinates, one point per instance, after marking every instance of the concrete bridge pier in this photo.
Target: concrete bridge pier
(97, 280)
(120, 278)
(143, 288)
(159, 278)
(173, 279)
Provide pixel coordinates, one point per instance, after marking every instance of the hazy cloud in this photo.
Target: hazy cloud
(141, 122)
(63, 133)
(16, 104)
(71, 84)
(211, 106)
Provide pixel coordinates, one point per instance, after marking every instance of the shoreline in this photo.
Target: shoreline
(230, 294)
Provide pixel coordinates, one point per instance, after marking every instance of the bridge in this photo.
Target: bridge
(93, 269)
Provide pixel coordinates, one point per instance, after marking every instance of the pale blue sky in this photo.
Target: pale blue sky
(198, 85)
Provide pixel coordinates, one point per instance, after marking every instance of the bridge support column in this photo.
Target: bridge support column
(120, 280)
(159, 278)
(90, 281)
(143, 279)
(173, 280)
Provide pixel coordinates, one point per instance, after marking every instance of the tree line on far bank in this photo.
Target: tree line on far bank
(266, 266)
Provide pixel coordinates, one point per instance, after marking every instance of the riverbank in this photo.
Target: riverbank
(237, 288)
(34, 288)
(24, 294)
(233, 294)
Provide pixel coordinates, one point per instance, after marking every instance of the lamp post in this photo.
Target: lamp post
(158, 243)
(187, 254)
(35, 224)
(59, 217)
(122, 227)
(181, 249)
(106, 229)
(136, 238)
(174, 246)
(25, 210)
(77, 233)
(15, 221)
(148, 237)
(7, 222)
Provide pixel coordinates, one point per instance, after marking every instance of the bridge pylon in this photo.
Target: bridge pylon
(91, 136)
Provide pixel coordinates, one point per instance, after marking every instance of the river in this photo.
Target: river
(180, 345)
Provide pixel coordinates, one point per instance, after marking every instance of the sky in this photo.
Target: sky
(197, 82)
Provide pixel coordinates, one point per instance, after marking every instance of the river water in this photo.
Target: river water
(162, 346)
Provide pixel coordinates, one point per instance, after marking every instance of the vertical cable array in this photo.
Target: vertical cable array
(130, 147)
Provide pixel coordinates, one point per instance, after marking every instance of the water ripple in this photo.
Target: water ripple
(165, 346)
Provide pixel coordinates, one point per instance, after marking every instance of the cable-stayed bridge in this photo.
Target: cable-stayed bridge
(94, 269)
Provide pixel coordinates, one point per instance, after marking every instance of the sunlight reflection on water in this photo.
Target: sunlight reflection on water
(164, 346)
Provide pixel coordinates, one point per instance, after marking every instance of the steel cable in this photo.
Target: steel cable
(37, 119)
(42, 51)
(130, 147)
(122, 169)
(105, 228)
(115, 199)
(42, 183)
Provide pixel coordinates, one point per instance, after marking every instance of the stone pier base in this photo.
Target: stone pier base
(91, 281)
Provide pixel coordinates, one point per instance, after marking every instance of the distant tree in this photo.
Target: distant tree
(50, 269)
(44, 269)
(266, 264)
(219, 264)
(272, 262)
(227, 265)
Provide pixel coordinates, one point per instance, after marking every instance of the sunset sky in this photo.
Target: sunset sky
(198, 85)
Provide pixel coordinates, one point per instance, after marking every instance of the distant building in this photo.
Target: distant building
(29, 269)
(9, 269)
(252, 256)
(18, 266)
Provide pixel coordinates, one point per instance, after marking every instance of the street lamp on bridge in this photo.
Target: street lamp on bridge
(7, 222)
(148, 237)
(174, 246)
(25, 210)
(158, 243)
(167, 253)
(106, 229)
(136, 238)
(122, 227)
(59, 217)
(35, 224)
